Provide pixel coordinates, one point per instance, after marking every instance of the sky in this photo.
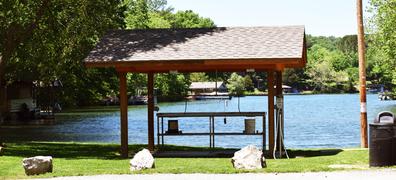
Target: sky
(320, 17)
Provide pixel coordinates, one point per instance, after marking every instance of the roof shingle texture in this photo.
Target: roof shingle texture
(199, 44)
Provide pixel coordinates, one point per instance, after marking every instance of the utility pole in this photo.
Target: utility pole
(362, 76)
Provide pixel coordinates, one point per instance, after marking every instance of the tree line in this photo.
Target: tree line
(47, 40)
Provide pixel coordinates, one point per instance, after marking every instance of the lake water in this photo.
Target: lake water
(311, 121)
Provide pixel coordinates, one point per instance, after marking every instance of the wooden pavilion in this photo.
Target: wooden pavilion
(223, 49)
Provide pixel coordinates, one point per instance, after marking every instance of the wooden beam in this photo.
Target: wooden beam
(123, 114)
(150, 110)
(271, 127)
(210, 62)
(196, 68)
(279, 67)
(254, 61)
(362, 76)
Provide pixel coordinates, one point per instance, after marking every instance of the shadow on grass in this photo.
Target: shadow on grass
(83, 150)
(194, 152)
(313, 153)
(191, 152)
(111, 151)
(66, 150)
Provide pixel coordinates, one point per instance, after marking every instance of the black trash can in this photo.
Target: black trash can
(382, 140)
(394, 144)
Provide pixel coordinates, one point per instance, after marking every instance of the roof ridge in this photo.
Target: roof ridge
(216, 27)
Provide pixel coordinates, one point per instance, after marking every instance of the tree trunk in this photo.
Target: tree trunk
(3, 92)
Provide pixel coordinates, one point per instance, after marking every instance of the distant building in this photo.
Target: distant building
(197, 88)
(20, 96)
(21, 103)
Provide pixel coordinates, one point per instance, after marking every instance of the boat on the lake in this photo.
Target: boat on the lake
(384, 96)
(137, 100)
(209, 96)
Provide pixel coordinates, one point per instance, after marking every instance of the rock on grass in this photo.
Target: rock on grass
(142, 160)
(37, 165)
(249, 157)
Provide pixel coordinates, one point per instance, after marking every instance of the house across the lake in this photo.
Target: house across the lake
(208, 90)
(20, 99)
(197, 88)
(22, 102)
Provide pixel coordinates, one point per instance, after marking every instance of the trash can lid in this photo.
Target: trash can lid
(381, 124)
(385, 117)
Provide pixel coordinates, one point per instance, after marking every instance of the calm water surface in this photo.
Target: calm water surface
(311, 121)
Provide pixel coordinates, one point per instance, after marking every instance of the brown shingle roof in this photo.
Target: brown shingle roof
(240, 43)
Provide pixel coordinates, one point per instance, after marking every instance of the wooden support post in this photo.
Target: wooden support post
(150, 110)
(279, 94)
(362, 76)
(123, 114)
(279, 83)
(271, 132)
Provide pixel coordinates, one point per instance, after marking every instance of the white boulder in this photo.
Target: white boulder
(142, 160)
(37, 165)
(249, 157)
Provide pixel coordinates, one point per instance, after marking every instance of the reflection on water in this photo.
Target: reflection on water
(310, 121)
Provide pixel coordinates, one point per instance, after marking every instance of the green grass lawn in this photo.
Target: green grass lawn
(76, 159)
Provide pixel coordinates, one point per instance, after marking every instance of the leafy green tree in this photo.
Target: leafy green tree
(18, 20)
(248, 83)
(137, 14)
(157, 20)
(171, 87)
(329, 43)
(347, 44)
(383, 40)
(295, 78)
(236, 85)
(326, 69)
(189, 19)
(353, 79)
(158, 5)
(218, 76)
(198, 77)
(339, 61)
(51, 38)
(379, 70)
(317, 54)
(137, 83)
(325, 78)
(47, 40)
